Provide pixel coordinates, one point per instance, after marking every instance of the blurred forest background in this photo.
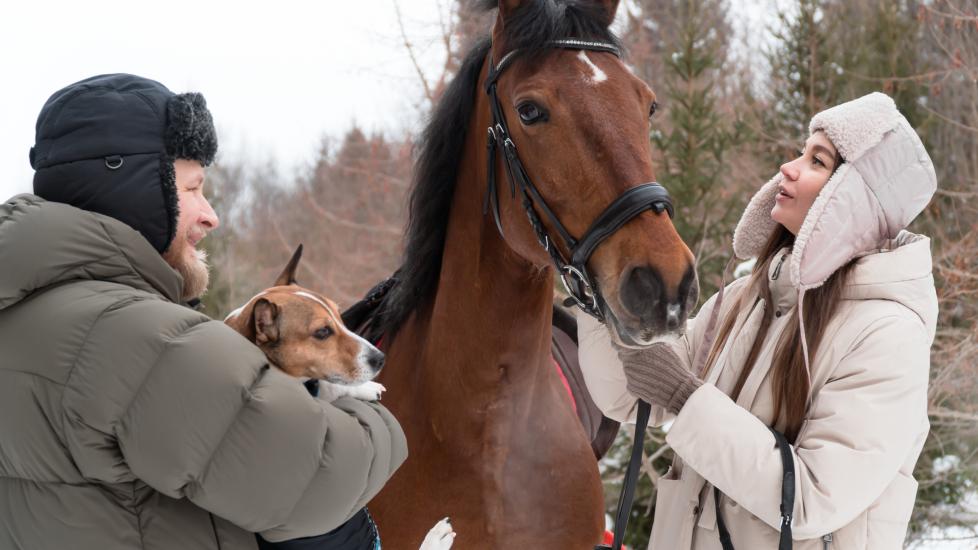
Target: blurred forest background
(732, 109)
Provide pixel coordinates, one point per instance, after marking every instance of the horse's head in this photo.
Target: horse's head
(581, 120)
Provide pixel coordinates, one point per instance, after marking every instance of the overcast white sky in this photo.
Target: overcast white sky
(277, 75)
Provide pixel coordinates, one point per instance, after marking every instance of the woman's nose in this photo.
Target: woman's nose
(789, 171)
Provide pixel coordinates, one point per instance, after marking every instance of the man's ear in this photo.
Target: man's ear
(288, 274)
(265, 315)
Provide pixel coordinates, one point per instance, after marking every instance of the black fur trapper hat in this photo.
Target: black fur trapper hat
(107, 144)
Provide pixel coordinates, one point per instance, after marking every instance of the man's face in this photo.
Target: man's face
(197, 218)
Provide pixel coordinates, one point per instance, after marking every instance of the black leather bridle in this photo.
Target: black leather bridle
(574, 274)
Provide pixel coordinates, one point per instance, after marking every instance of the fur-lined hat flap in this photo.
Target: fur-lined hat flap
(755, 226)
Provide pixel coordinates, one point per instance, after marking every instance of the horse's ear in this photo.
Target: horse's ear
(288, 274)
(507, 7)
(610, 8)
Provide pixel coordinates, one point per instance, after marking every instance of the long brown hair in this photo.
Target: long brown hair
(791, 384)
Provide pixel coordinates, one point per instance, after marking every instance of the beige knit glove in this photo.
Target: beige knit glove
(658, 376)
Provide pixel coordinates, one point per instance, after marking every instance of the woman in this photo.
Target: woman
(844, 377)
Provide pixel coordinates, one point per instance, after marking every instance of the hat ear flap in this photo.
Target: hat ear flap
(756, 225)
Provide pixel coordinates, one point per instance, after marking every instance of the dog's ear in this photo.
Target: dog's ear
(242, 321)
(288, 274)
(265, 315)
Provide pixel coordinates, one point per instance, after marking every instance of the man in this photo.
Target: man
(128, 420)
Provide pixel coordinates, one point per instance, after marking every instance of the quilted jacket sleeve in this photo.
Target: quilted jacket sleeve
(209, 420)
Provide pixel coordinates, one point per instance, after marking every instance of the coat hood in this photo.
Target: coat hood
(44, 243)
(885, 182)
(900, 272)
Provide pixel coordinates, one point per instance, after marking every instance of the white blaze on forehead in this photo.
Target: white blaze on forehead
(597, 74)
(313, 298)
(329, 311)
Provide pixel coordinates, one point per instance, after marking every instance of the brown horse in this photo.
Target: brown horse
(494, 442)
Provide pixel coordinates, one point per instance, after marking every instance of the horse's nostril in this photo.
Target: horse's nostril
(640, 291)
(672, 316)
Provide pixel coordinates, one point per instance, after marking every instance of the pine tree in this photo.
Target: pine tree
(804, 78)
(697, 137)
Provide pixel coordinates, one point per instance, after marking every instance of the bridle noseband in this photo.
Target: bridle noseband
(573, 272)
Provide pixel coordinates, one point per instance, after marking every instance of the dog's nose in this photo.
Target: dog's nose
(376, 361)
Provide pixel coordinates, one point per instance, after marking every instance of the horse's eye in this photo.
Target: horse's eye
(323, 333)
(531, 113)
(653, 109)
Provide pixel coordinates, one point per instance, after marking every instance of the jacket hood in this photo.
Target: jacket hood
(44, 243)
(900, 272)
(885, 182)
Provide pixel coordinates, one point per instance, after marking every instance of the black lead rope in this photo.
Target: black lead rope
(631, 477)
(787, 498)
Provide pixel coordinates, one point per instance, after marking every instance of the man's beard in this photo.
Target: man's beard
(195, 272)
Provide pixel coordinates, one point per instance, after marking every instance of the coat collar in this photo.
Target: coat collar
(784, 295)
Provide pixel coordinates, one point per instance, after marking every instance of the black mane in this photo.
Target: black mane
(535, 23)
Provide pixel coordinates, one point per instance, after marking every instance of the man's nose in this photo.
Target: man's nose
(208, 218)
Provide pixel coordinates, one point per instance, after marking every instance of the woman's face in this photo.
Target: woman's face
(803, 179)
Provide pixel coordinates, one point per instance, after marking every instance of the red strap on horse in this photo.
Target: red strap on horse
(563, 380)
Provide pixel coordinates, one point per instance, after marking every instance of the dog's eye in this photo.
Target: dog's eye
(323, 333)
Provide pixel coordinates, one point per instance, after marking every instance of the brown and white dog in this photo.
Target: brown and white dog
(302, 333)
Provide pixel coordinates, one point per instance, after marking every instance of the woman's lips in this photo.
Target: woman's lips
(782, 196)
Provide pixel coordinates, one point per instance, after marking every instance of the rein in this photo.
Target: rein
(574, 274)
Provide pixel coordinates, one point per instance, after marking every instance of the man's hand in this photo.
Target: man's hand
(657, 375)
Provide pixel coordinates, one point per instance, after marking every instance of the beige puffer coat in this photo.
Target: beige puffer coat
(855, 454)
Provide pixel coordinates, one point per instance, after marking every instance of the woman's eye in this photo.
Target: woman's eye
(531, 113)
(323, 333)
(818, 161)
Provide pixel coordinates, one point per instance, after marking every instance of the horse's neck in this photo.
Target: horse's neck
(490, 317)
(491, 310)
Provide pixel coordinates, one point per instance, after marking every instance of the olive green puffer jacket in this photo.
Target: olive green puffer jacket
(129, 421)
